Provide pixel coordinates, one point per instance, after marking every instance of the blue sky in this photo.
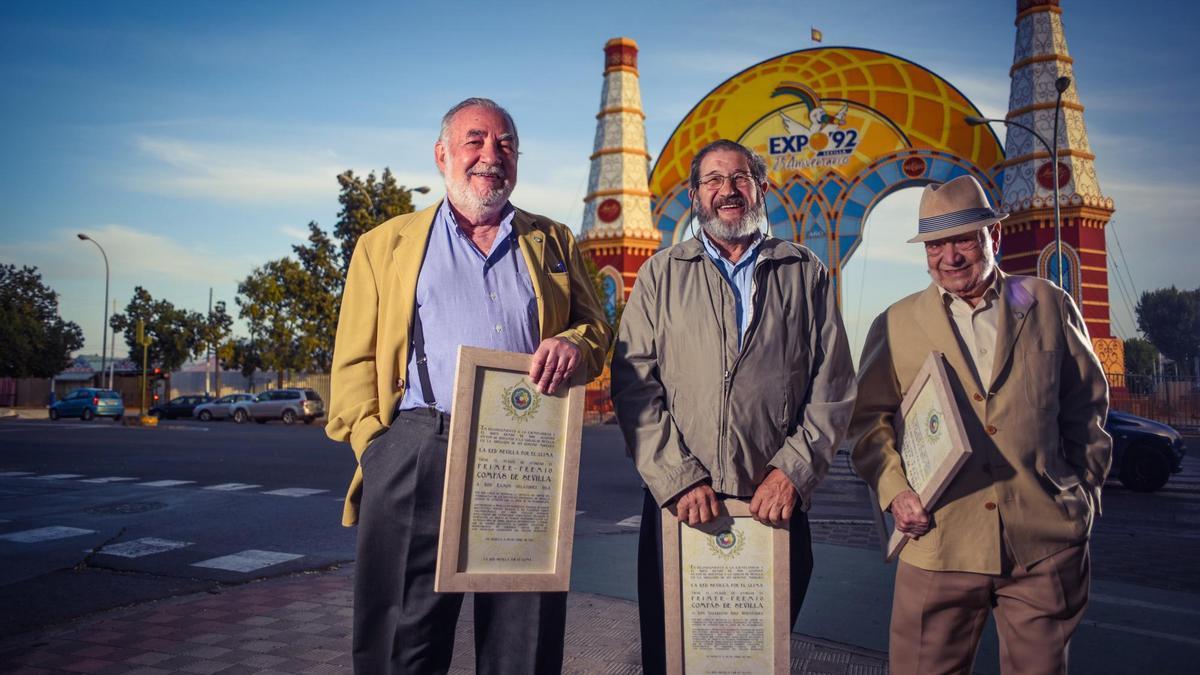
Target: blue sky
(195, 140)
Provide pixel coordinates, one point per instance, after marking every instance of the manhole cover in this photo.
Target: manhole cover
(131, 507)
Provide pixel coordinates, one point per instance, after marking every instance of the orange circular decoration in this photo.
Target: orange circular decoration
(819, 141)
(609, 210)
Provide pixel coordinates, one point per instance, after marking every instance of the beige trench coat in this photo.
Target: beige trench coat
(1039, 450)
(695, 407)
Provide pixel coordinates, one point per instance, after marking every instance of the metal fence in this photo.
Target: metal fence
(1171, 399)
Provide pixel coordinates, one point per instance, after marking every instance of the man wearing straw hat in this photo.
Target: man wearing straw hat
(1011, 530)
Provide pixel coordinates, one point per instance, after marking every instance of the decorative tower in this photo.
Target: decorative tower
(617, 233)
(1028, 241)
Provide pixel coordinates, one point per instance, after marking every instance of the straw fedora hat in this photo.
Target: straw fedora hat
(953, 208)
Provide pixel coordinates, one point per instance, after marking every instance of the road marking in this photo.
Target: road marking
(295, 492)
(140, 547)
(1142, 631)
(1129, 602)
(841, 521)
(56, 476)
(14, 474)
(247, 561)
(167, 483)
(44, 534)
(631, 521)
(108, 479)
(232, 487)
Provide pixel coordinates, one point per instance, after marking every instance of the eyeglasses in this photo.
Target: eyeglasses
(935, 248)
(716, 181)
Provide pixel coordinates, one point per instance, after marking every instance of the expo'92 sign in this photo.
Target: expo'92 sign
(820, 138)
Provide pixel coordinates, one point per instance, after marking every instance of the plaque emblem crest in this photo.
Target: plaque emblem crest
(934, 424)
(727, 543)
(520, 401)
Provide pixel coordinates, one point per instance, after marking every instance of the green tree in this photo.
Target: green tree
(365, 204)
(241, 355)
(1170, 318)
(34, 340)
(175, 334)
(318, 298)
(1140, 359)
(268, 299)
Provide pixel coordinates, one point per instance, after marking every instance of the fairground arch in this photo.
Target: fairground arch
(840, 128)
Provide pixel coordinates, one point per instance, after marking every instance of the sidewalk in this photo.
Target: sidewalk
(301, 624)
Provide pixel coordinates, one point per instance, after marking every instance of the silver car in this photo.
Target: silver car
(220, 408)
(288, 405)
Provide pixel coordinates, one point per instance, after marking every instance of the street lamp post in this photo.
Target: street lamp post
(1060, 85)
(104, 333)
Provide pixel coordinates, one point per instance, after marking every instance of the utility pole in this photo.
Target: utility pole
(208, 345)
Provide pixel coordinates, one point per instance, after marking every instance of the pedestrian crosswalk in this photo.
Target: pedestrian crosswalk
(163, 483)
(239, 562)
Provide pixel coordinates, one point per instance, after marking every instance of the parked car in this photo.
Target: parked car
(288, 405)
(1145, 452)
(220, 408)
(180, 406)
(87, 403)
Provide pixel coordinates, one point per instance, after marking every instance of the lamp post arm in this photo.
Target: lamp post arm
(104, 332)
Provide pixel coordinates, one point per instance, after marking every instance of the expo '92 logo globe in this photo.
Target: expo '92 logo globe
(727, 543)
(934, 424)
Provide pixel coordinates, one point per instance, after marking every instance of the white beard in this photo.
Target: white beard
(474, 205)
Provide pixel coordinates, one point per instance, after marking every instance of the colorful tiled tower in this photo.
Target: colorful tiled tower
(1028, 241)
(617, 233)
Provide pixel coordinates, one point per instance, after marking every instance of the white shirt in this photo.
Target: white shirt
(976, 327)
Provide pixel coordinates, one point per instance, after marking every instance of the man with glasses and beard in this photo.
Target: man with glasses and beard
(470, 270)
(731, 377)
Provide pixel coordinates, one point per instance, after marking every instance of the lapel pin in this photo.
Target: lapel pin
(559, 267)
(1020, 315)
(537, 238)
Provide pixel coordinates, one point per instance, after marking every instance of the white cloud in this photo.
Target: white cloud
(293, 232)
(229, 172)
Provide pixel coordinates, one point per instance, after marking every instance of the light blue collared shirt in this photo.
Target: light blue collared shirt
(467, 298)
(740, 276)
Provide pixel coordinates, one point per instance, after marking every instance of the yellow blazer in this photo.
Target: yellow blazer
(370, 355)
(1040, 452)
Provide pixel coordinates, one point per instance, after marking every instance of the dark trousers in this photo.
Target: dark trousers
(400, 624)
(650, 580)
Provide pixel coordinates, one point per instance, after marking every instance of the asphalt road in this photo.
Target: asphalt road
(95, 515)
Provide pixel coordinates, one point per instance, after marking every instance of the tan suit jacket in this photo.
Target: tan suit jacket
(370, 356)
(1040, 452)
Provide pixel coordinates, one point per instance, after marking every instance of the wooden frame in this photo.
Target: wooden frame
(773, 658)
(512, 472)
(931, 439)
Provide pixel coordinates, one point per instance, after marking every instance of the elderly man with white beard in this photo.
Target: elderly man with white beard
(470, 270)
(731, 377)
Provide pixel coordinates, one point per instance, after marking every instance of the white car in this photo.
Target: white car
(220, 408)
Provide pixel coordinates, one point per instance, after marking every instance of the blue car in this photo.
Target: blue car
(89, 402)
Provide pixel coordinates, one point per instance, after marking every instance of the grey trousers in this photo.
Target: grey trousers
(651, 613)
(400, 624)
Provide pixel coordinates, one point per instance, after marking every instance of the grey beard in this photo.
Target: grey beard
(472, 204)
(749, 224)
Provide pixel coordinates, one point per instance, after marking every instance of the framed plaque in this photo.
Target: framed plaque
(933, 443)
(512, 470)
(725, 592)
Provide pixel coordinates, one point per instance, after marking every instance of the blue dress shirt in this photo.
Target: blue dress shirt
(467, 298)
(740, 276)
